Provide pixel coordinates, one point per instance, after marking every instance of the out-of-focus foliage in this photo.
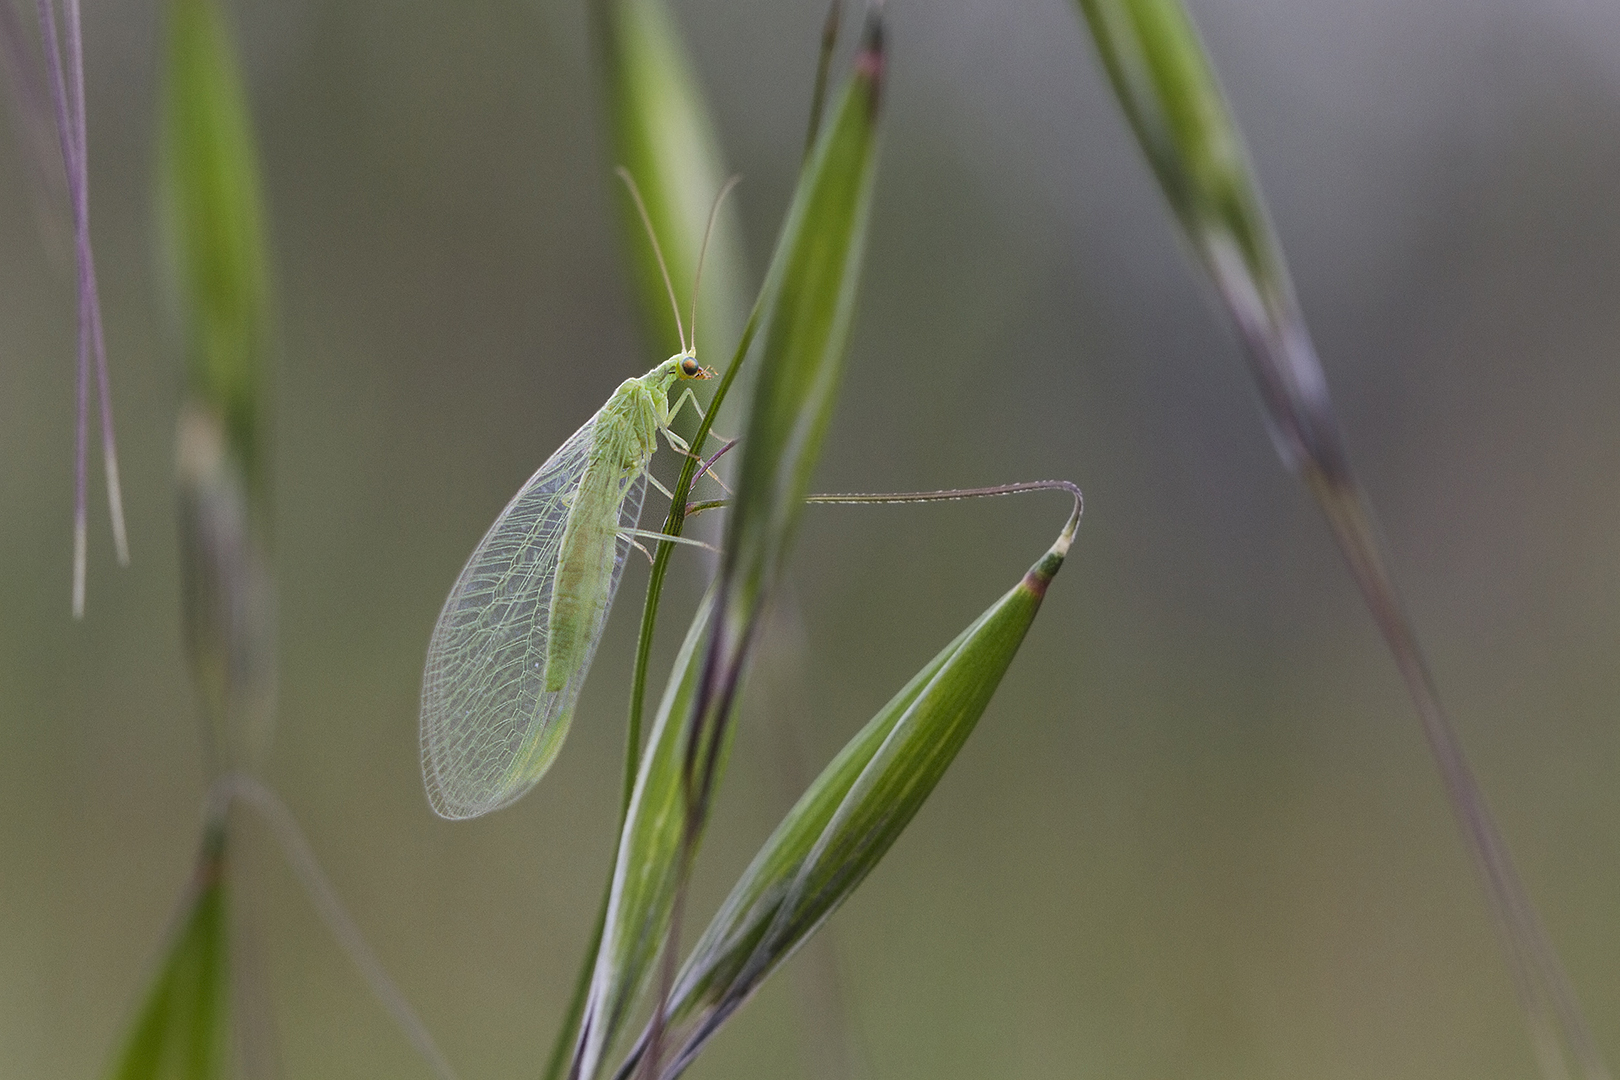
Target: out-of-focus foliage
(1166, 87)
(661, 132)
(181, 1030)
(212, 222)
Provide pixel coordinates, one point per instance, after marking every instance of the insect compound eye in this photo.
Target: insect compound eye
(690, 367)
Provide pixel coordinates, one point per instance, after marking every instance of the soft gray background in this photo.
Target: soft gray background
(1196, 835)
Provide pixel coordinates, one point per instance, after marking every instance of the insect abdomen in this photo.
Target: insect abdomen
(589, 551)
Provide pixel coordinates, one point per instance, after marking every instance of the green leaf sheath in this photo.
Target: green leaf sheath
(645, 875)
(850, 817)
(213, 228)
(180, 1031)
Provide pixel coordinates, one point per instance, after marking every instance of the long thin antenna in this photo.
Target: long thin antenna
(646, 220)
(708, 230)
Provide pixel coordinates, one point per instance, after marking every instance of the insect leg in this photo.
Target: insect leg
(680, 403)
(637, 545)
(677, 442)
(653, 480)
(629, 534)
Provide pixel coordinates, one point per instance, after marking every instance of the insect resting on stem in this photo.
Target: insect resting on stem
(515, 638)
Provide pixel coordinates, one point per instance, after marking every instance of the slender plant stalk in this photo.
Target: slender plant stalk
(243, 788)
(1531, 956)
(807, 336)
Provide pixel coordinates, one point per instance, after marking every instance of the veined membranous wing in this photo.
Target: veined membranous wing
(489, 729)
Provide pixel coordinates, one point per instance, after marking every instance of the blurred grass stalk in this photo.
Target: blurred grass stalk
(1169, 93)
(216, 274)
(661, 131)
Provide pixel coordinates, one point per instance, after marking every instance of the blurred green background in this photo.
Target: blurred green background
(1196, 835)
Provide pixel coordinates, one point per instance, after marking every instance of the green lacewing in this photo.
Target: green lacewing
(517, 633)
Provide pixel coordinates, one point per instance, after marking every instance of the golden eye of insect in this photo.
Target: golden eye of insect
(690, 367)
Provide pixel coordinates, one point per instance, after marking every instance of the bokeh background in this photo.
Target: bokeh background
(1196, 835)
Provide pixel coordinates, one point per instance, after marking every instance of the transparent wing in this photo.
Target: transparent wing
(488, 729)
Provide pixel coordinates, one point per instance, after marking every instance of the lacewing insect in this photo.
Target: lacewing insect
(515, 638)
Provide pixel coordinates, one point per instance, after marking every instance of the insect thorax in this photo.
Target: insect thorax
(628, 428)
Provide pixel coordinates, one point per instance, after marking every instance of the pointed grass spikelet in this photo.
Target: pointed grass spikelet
(1168, 91)
(663, 135)
(849, 818)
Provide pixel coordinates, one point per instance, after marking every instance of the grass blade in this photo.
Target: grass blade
(181, 1031)
(818, 95)
(808, 306)
(850, 817)
(1169, 93)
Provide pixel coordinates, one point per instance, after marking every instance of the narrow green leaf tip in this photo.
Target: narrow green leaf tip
(869, 60)
(180, 1031)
